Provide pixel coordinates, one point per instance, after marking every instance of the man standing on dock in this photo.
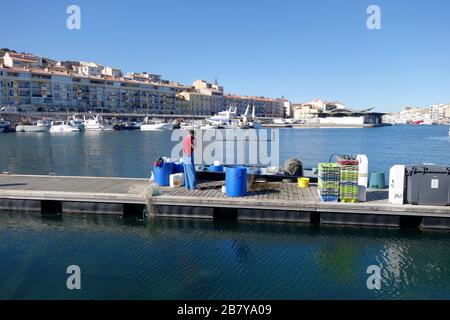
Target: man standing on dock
(190, 179)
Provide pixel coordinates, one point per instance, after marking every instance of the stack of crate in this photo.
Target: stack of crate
(329, 177)
(348, 185)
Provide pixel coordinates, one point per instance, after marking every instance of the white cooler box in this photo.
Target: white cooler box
(177, 180)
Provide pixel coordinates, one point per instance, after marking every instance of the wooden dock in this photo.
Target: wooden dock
(276, 202)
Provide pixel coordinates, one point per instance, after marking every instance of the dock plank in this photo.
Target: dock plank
(273, 196)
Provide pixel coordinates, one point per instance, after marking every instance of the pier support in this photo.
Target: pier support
(51, 207)
(436, 223)
(225, 214)
(410, 222)
(274, 215)
(184, 212)
(134, 210)
(360, 219)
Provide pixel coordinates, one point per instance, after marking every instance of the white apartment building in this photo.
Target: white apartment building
(50, 91)
(264, 107)
(89, 69)
(214, 91)
(288, 109)
(144, 77)
(33, 84)
(112, 72)
(305, 112)
(199, 104)
(439, 113)
(21, 60)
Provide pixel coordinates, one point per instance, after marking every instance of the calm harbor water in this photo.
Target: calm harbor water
(177, 259)
(180, 259)
(131, 154)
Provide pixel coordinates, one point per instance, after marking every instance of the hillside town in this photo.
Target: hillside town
(433, 115)
(30, 83)
(35, 84)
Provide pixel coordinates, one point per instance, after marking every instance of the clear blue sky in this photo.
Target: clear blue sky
(299, 49)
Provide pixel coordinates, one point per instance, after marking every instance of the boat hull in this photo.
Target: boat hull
(64, 129)
(30, 128)
(91, 129)
(157, 127)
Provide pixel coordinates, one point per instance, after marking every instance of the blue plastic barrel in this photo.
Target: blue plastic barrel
(178, 168)
(162, 173)
(216, 168)
(236, 181)
(377, 180)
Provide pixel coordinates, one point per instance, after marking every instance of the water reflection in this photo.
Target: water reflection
(194, 259)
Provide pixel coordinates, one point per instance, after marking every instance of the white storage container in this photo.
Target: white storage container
(397, 184)
(363, 176)
(177, 180)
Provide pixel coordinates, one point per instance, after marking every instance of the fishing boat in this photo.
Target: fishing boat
(155, 125)
(227, 119)
(77, 123)
(36, 126)
(193, 125)
(127, 126)
(97, 124)
(249, 121)
(281, 121)
(5, 126)
(62, 127)
(209, 126)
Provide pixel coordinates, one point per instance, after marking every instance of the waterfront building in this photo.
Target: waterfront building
(89, 69)
(436, 114)
(348, 118)
(305, 112)
(176, 86)
(317, 104)
(447, 114)
(264, 107)
(199, 104)
(439, 113)
(144, 77)
(214, 91)
(288, 109)
(21, 60)
(52, 91)
(318, 112)
(112, 72)
(182, 106)
(37, 84)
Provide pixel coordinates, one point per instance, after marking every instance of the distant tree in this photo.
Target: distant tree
(5, 50)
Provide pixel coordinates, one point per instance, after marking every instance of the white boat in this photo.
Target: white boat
(4, 125)
(284, 121)
(77, 123)
(134, 125)
(249, 120)
(227, 119)
(210, 127)
(97, 124)
(108, 127)
(194, 125)
(156, 125)
(62, 127)
(37, 126)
